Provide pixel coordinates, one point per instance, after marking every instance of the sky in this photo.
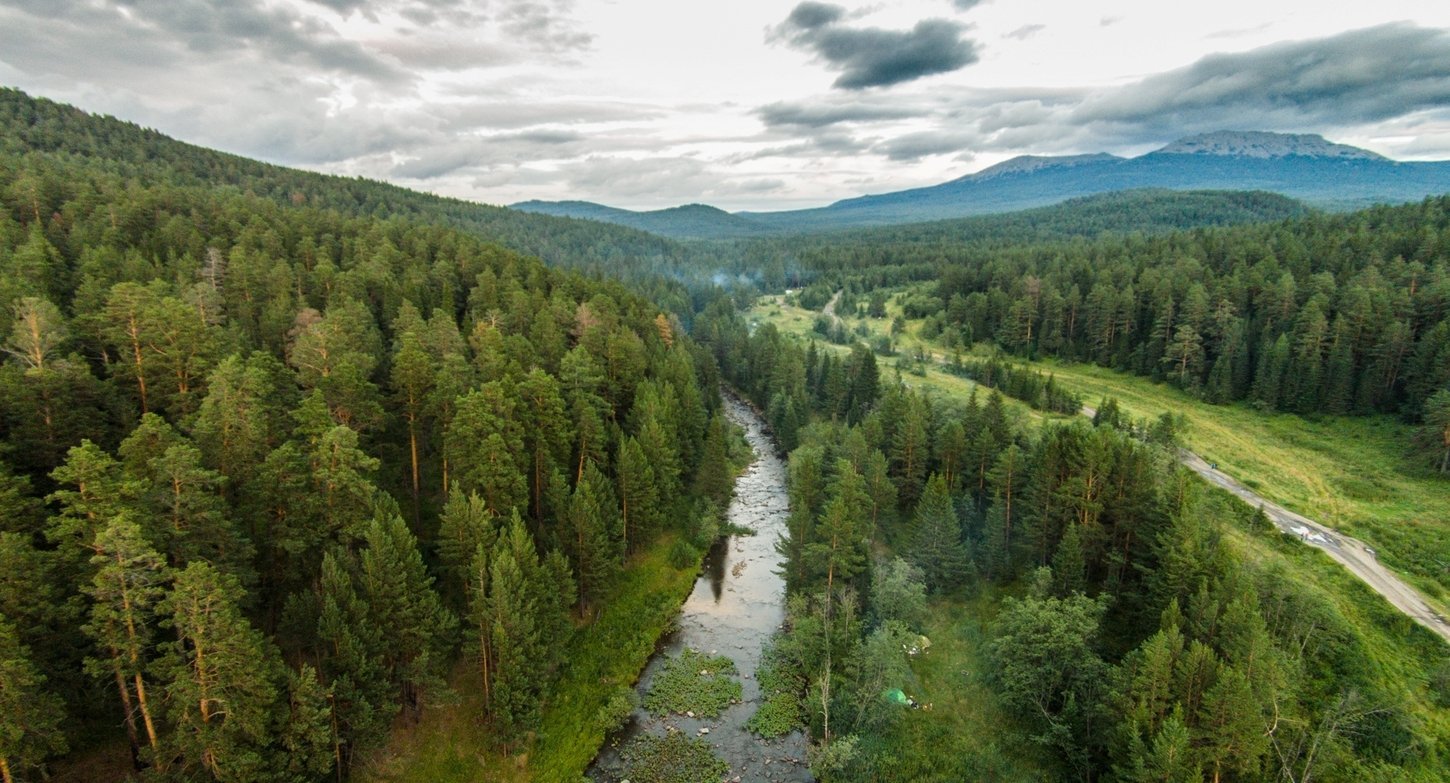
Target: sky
(746, 104)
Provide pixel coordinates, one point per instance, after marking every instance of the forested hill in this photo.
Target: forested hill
(1151, 211)
(58, 132)
(265, 465)
(1339, 313)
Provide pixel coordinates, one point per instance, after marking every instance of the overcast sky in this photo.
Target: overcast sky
(745, 104)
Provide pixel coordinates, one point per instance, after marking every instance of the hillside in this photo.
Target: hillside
(37, 126)
(259, 459)
(691, 221)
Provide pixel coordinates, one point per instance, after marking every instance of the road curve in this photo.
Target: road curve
(1351, 553)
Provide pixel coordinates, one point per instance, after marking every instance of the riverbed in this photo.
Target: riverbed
(736, 604)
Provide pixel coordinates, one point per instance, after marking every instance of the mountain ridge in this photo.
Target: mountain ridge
(1305, 167)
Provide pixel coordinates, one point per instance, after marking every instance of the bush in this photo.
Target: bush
(694, 682)
(673, 758)
(683, 556)
(615, 712)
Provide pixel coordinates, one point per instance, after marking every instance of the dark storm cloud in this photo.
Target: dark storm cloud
(871, 56)
(1360, 76)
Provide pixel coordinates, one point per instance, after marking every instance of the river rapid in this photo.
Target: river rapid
(736, 604)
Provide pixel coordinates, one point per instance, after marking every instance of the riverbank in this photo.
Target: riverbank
(734, 608)
(451, 742)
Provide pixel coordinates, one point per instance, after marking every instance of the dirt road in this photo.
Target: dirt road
(1351, 553)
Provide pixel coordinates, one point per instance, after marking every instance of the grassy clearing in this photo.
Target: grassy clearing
(1351, 473)
(961, 733)
(1393, 652)
(452, 743)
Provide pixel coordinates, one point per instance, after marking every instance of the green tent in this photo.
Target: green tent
(895, 695)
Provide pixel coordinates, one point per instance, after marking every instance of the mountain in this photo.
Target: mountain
(691, 221)
(1306, 167)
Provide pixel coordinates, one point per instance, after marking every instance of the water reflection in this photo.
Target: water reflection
(736, 605)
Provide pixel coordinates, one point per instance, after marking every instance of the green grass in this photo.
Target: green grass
(1353, 473)
(960, 733)
(453, 743)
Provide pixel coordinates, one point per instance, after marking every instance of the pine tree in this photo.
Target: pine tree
(910, 449)
(351, 663)
(223, 675)
(466, 525)
(836, 552)
(413, 375)
(307, 735)
(485, 448)
(713, 478)
(639, 500)
(595, 541)
(30, 716)
(936, 541)
(1068, 566)
(547, 433)
(129, 580)
(416, 628)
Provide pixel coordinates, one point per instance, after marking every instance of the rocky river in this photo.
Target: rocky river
(736, 604)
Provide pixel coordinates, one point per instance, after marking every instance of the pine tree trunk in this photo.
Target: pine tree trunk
(130, 714)
(145, 711)
(413, 451)
(134, 331)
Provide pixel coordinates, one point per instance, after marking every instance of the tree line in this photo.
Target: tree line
(1140, 646)
(268, 469)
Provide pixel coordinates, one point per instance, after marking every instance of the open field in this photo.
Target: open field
(1352, 473)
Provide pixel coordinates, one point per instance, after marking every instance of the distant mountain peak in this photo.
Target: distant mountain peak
(1024, 164)
(1263, 144)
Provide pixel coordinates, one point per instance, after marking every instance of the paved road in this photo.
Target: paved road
(1351, 553)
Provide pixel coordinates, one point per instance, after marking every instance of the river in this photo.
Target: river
(737, 603)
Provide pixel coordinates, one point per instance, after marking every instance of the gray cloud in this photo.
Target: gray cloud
(1026, 31)
(812, 16)
(1355, 77)
(967, 5)
(914, 146)
(821, 115)
(873, 57)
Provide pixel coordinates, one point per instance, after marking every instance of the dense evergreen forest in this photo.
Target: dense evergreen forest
(1136, 641)
(277, 450)
(49, 134)
(1336, 313)
(272, 462)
